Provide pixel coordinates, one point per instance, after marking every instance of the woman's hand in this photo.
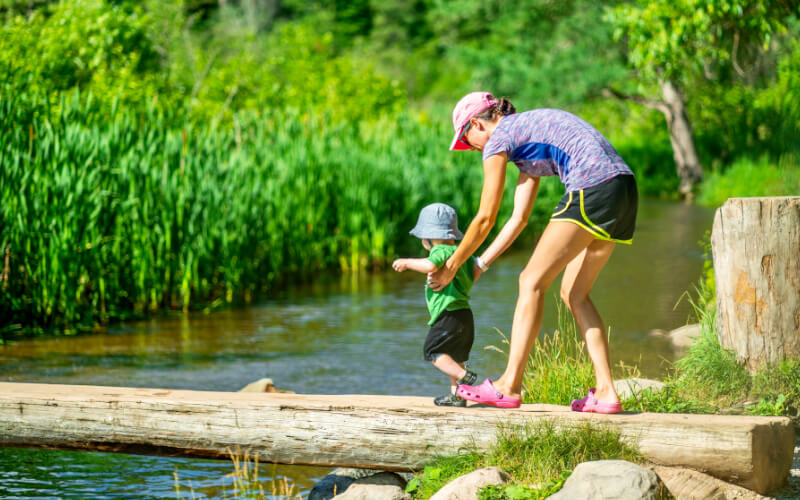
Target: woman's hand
(437, 280)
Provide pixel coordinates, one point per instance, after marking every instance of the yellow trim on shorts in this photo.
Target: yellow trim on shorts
(593, 228)
(594, 233)
(565, 206)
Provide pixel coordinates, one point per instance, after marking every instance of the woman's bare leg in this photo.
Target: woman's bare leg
(579, 276)
(560, 243)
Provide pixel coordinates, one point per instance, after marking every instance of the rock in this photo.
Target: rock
(611, 479)
(680, 337)
(380, 486)
(262, 385)
(626, 388)
(685, 335)
(466, 487)
(687, 484)
(337, 481)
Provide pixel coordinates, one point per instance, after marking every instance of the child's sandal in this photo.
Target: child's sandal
(469, 378)
(450, 400)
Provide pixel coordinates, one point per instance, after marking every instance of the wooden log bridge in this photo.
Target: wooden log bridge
(379, 432)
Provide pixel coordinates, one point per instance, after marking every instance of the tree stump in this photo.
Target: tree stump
(756, 251)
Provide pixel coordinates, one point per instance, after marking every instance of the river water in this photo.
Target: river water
(358, 334)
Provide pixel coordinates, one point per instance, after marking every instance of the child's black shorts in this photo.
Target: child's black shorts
(452, 333)
(607, 210)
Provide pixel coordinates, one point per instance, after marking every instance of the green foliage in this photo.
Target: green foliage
(778, 387)
(293, 67)
(89, 44)
(747, 177)
(100, 220)
(679, 39)
(528, 50)
(520, 492)
(175, 96)
(557, 451)
(735, 121)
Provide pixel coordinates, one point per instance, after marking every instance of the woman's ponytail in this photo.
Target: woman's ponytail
(502, 108)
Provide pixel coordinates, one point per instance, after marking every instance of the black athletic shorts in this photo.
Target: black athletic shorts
(607, 210)
(452, 333)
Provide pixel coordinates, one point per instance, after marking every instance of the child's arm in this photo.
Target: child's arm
(418, 265)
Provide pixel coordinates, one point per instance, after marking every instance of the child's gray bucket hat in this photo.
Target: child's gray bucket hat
(437, 221)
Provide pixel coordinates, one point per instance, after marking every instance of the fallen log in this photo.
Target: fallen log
(379, 432)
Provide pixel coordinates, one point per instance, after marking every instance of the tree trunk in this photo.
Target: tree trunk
(378, 432)
(756, 250)
(687, 163)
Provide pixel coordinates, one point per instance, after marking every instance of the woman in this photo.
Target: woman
(597, 211)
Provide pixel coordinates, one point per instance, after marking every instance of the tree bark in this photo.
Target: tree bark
(378, 432)
(687, 163)
(756, 250)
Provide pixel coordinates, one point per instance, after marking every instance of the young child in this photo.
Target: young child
(452, 327)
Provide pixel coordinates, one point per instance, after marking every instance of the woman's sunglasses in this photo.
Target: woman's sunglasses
(462, 137)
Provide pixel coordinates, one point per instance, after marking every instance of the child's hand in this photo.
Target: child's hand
(400, 265)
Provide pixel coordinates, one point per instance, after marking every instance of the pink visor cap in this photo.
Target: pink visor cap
(470, 105)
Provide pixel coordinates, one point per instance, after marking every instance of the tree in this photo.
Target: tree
(540, 52)
(672, 44)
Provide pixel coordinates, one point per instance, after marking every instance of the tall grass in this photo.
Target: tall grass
(246, 482)
(538, 457)
(559, 367)
(107, 216)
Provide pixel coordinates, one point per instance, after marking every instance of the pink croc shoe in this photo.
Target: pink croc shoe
(590, 404)
(487, 394)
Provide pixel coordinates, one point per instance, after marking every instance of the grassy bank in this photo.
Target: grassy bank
(709, 379)
(102, 219)
(748, 177)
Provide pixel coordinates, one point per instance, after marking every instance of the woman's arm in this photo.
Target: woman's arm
(524, 197)
(418, 265)
(494, 178)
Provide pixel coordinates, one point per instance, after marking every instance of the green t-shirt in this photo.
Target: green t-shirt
(455, 295)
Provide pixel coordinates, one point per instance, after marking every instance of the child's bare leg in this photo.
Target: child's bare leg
(446, 364)
(454, 380)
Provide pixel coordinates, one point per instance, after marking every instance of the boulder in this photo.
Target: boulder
(380, 486)
(262, 385)
(467, 486)
(611, 479)
(687, 484)
(681, 337)
(337, 481)
(626, 388)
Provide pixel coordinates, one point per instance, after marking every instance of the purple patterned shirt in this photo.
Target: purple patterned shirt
(544, 142)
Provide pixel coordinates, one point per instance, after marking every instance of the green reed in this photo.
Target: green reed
(109, 214)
